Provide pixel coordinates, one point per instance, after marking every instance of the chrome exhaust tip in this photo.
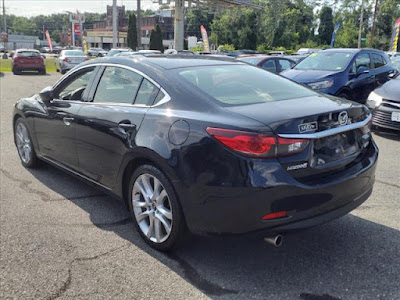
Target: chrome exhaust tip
(275, 240)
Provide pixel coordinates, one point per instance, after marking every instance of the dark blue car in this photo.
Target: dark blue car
(346, 73)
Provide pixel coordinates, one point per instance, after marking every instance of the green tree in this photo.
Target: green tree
(156, 39)
(325, 29)
(132, 32)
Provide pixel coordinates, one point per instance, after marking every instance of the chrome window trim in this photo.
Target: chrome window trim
(325, 133)
(164, 100)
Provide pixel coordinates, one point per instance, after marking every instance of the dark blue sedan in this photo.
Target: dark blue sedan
(214, 146)
(347, 73)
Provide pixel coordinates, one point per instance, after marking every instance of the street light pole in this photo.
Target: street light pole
(4, 18)
(179, 26)
(139, 30)
(115, 27)
(361, 24)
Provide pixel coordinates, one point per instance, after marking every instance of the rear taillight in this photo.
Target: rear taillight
(66, 59)
(257, 145)
(275, 215)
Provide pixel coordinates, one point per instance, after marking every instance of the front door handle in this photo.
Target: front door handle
(67, 121)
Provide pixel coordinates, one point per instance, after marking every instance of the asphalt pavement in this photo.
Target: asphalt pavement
(61, 238)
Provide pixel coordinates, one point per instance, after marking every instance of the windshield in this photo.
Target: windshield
(243, 84)
(113, 52)
(326, 61)
(74, 53)
(28, 53)
(251, 60)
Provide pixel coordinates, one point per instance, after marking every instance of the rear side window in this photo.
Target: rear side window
(243, 84)
(147, 93)
(269, 65)
(117, 85)
(378, 60)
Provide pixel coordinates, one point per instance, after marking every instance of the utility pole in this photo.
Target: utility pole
(371, 41)
(361, 24)
(44, 38)
(139, 30)
(4, 18)
(179, 26)
(115, 25)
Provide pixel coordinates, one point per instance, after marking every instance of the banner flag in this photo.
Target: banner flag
(205, 39)
(85, 48)
(334, 33)
(395, 36)
(49, 41)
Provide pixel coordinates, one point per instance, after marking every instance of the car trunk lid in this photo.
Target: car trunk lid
(336, 130)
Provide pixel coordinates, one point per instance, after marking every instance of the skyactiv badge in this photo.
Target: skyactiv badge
(306, 127)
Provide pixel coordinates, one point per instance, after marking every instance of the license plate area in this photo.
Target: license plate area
(396, 116)
(335, 148)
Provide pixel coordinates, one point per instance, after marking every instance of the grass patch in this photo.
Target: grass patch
(5, 65)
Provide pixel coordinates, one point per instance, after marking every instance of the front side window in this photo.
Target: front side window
(75, 88)
(242, 84)
(284, 64)
(117, 85)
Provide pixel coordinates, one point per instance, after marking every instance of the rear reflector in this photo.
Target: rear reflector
(257, 145)
(275, 215)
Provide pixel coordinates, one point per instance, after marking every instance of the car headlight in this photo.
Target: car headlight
(374, 100)
(321, 84)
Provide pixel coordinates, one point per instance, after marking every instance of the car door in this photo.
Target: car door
(380, 69)
(109, 122)
(55, 130)
(361, 84)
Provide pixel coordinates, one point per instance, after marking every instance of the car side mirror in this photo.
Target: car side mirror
(392, 75)
(362, 70)
(47, 94)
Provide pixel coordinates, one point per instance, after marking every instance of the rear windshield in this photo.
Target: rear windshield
(242, 84)
(28, 53)
(74, 53)
(326, 61)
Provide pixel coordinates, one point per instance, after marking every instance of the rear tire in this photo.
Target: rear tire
(42, 72)
(24, 144)
(63, 71)
(155, 209)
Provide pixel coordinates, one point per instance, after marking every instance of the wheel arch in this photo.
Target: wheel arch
(345, 90)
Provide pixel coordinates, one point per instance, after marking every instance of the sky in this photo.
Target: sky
(29, 8)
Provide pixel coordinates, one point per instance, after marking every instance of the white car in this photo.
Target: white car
(393, 55)
(99, 52)
(69, 59)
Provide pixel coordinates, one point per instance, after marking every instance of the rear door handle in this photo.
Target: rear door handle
(127, 126)
(67, 121)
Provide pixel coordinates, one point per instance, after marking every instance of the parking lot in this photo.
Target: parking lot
(61, 238)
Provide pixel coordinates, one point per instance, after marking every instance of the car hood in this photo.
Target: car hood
(287, 115)
(390, 90)
(307, 76)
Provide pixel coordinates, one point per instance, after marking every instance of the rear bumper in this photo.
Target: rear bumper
(238, 210)
(28, 67)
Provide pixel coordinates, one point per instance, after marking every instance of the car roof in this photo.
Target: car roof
(352, 50)
(167, 62)
(18, 50)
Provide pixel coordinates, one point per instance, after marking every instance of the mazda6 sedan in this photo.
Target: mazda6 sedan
(202, 144)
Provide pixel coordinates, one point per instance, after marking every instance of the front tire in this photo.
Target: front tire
(24, 144)
(63, 71)
(155, 209)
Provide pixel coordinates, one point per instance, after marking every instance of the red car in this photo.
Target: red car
(28, 60)
(274, 64)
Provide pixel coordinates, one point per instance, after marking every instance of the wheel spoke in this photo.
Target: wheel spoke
(147, 186)
(161, 197)
(157, 189)
(138, 203)
(164, 222)
(142, 190)
(151, 226)
(144, 215)
(165, 212)
(157, 229)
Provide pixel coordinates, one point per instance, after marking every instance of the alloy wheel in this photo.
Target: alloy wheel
(152, 208)
(24, 144)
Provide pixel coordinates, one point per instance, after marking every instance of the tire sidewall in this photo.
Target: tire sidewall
(33, 161)
(178, 224)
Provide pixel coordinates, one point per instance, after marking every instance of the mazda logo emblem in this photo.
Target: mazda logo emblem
(343, 118)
